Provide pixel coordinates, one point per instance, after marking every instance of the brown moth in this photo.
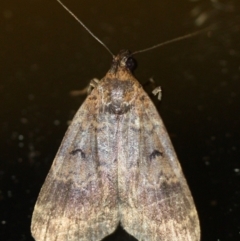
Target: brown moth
(116, 165)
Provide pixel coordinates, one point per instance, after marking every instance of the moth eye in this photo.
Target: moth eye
(131, 63)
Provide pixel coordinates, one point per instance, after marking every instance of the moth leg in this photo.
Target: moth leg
(150, 82)
(158, 91)
(93, 83)
(155, 90)
(87, 90)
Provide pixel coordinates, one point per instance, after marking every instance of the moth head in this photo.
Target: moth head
(124, 60)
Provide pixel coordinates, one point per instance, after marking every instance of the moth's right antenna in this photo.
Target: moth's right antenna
(175, 40)
(89, 31)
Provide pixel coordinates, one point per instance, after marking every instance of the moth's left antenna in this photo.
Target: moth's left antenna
(89, 31)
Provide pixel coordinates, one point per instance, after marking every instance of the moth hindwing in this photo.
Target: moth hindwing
(116, 164)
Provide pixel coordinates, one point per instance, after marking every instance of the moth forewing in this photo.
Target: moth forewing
(155, 201)
(78, 200)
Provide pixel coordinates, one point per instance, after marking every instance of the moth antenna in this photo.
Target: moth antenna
(88, 30)
(174, 40)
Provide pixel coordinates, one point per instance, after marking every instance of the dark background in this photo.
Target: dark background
(45, 53)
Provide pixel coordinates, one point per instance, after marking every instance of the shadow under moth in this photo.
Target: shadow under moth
(116, 165)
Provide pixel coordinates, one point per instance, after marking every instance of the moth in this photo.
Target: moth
(116, 165)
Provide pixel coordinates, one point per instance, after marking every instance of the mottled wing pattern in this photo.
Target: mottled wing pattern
(78, 200)
(155, 201)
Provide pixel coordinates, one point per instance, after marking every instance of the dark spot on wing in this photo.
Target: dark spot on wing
(117, 108)
(154, 154)
(74, 152)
